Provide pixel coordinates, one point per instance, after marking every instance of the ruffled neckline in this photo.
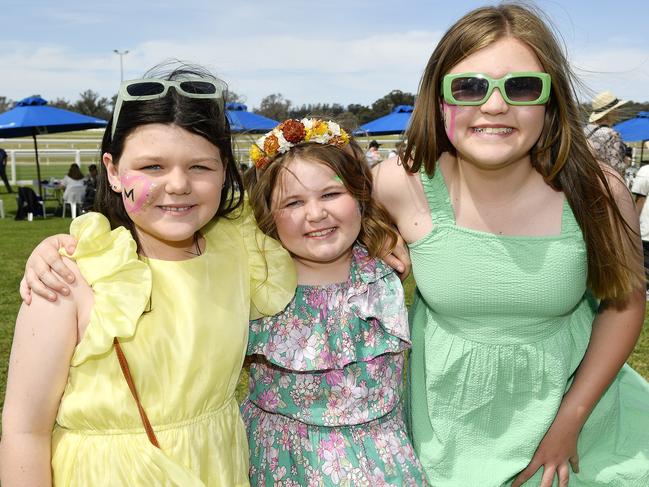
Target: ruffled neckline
(363, 270)
(120, 281)
(328, 327)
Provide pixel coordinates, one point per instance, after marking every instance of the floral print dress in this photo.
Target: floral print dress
(325, 386)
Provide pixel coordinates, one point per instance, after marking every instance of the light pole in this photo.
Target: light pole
(121, 55)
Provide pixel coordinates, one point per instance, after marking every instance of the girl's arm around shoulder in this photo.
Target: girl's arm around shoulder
(45, 336)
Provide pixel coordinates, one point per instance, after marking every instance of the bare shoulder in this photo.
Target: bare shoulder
(402, 194)
(392, 183)
(617, 184)
(69, 314)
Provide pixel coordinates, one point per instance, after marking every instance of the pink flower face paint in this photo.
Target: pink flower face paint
(138, 192)
(450, 113)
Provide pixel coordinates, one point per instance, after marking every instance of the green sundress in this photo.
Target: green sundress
(498, 327)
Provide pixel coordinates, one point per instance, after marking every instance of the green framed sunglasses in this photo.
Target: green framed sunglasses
(522, 88)
(151, 89)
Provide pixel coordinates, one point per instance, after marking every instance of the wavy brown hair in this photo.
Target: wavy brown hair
(561, 154)
(377, 233)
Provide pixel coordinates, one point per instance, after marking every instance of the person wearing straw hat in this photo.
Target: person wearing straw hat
(605, 142)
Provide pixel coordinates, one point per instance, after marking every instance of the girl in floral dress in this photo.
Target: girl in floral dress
(326, 375)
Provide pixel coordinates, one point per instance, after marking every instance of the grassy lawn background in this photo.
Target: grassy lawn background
(18, 238)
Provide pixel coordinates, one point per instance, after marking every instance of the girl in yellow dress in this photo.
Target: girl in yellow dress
(168, 272)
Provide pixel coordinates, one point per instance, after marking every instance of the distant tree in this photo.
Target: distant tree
(631, 109)
(348, 120)
(362, 113)
(61, 103)
(93, 105)
(323, 110)
(385, 105)
(274, 106)
(232, 97)
(5, 104)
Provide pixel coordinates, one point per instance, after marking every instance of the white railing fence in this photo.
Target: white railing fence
(61, 152)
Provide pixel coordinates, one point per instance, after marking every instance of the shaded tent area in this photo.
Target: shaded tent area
(241, 120)
(32, 116)
(395, 122)
(635, 130)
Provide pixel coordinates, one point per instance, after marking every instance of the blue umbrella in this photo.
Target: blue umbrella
(241, 120)
(393, 123)
(635, 130)
(32, 116)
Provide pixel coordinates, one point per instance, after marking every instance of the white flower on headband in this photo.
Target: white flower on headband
(292, 132)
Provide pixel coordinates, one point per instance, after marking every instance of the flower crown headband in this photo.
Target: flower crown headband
(292, 132)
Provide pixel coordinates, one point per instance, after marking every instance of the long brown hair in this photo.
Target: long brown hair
(376, 230)
(561, 154)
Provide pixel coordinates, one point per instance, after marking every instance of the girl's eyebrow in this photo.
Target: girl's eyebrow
(297, 194)
(157, 158)
(288, 196)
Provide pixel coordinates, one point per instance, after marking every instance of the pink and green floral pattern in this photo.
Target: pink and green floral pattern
(325, 386)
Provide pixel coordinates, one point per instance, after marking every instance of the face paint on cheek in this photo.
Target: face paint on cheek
(138, 192)
(450, 113)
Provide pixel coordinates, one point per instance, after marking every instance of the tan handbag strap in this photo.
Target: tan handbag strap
(131, 385)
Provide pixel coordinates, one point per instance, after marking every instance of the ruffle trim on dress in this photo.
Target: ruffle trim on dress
(121, 283)
(271, 269)
(373, 321)
(272, 272)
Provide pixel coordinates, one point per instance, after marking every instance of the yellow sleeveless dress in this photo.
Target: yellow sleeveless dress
(183, 326)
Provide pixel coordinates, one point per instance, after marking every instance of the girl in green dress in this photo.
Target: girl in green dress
(530, 292)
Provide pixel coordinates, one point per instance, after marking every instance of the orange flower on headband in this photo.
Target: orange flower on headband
(290, 133)
(271, 145)
(293, 131)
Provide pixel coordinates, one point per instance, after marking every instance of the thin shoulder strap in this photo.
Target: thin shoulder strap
(569, 224)
(592, 132)
(131, 385)
(439, 201)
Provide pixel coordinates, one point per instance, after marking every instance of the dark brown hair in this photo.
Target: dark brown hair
(561, 154)
(204, 117)
(376, 234)
(74, 172)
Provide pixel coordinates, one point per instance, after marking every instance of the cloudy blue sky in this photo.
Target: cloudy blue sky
(319, 51)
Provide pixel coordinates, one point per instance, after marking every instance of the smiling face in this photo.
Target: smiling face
(317, 219)
(170, 181)
(495, 134)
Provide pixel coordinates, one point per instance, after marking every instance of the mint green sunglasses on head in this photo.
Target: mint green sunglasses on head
(522, 88)
(152, 89)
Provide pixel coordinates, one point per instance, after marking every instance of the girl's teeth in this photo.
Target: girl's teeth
(173, 208)
(493, 130)
(320, 233)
